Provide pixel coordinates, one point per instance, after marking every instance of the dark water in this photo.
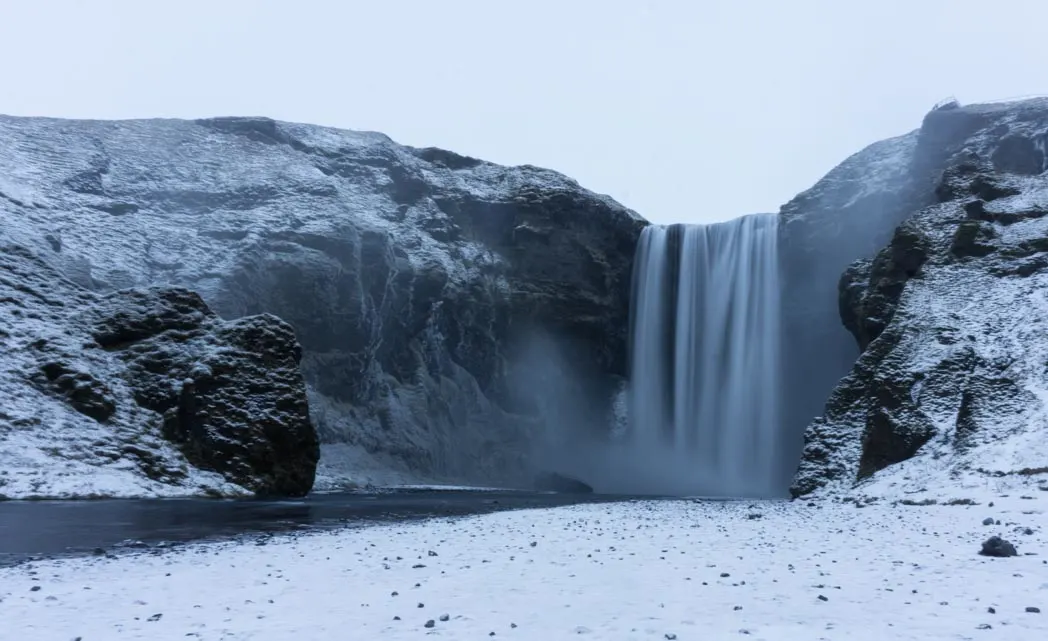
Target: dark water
(54, 528)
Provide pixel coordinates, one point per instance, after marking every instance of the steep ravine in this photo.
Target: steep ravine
(452, 313)
(461, 321)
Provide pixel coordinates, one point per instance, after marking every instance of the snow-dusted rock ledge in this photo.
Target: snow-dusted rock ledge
(143, 392)
(951, 391)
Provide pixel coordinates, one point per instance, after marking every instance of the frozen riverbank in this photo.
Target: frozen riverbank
(649, 570)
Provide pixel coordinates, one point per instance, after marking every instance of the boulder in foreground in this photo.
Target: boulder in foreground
(144, 392)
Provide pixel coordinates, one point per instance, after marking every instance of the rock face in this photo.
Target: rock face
(847, 215)
(143, 392)
(426, 288)
(951, 317)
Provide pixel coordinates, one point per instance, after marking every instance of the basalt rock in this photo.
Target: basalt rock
(950, 320)
(143, 392)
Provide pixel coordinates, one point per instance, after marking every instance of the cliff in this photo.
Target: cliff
(452, 313)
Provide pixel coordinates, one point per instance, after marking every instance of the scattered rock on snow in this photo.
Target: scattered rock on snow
(997, 547)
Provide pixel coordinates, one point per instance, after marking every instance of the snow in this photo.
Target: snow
(644, 570)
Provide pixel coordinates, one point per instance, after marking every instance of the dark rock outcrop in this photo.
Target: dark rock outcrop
(850, 215)
(553, 482)
(949, 318)
(132, 392)
(452, 313)
(998, 547)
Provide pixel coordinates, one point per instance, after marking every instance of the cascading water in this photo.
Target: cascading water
(705, 351)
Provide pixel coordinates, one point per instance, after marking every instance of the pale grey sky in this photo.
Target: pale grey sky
(685, 110)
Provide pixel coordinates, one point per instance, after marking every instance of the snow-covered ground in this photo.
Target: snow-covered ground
(648, 570)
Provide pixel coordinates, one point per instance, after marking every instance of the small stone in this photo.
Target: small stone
(823, 598)
(395, 593)
(1033, 610)
(737, 608)
(984, 626)
(1028, 531)
(421, 605)
(991, 610)
(431, 553)
(533, 544)
(396, 618)
(513, 625)
(430, 623)
(670, 636)
(724, 575)
(35, 588)
(988, 521)
(155, 617)
(444, 617)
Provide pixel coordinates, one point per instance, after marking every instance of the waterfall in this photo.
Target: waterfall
(704, 359)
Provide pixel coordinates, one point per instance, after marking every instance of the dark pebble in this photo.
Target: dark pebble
(822, 598)
(1033, 610)
(430, 623)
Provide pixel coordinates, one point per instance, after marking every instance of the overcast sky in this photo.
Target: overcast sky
(685, 110)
